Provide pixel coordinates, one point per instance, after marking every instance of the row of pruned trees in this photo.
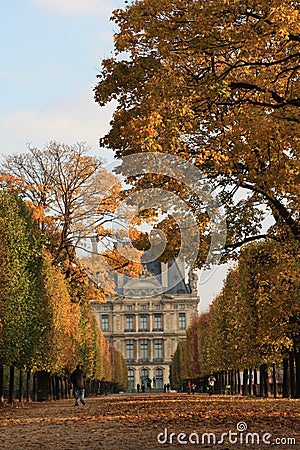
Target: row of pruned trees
(45, 325)
(253, 325)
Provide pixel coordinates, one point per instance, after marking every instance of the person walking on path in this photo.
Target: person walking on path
(211, 384)
(77, 378)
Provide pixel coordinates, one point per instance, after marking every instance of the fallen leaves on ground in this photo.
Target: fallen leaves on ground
(123, 422)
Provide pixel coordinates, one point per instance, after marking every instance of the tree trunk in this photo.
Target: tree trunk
(53, 384)
(239, 381)
(274, 380)
(57, 388)
(232, 381)
(62, 387)
(255, 382)
(11, 391)
(51, 387)
(286, 386)
(66, 387)
(250, 382)
(21, 385)
(245, 382)
(236, 382)
(292, 374)
(223, 379)
(28, 384)
(35, 387)
(43, 382)
(1, 385)
(69, 387)
(265, 380)
(261, 382)
(297, 361)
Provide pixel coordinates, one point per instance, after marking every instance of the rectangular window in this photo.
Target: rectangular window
(157, 322)
(144, 349)
(129, 307)
(181, 321)
(130, 349)
(181, 306)
(104, 322)
(104, 307)
(143, 307)
(157, 306)
(129, 322)
(143, 322)
(158, 349)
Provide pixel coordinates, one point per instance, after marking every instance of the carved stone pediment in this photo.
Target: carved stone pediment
(142, 287)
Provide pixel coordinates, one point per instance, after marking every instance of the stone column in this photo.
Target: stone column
(137, 349)
(164, 275)
(150, 321)
(151, 349)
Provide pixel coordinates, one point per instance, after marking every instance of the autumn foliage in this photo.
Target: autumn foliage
(42, 328)
(252, 323)
(216, 83)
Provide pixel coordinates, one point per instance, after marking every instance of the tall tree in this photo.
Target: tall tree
(65, 186)
(253, 322)
(74, 199)
(218, 84)
(21, 262)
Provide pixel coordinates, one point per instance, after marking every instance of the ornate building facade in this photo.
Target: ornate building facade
(147, 319)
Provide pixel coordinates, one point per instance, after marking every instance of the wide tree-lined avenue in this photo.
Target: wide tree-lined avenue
(206, 130)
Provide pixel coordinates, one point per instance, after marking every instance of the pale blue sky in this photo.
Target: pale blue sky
(50, 55)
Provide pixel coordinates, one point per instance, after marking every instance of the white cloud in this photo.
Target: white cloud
(75, 7)
(73, 119)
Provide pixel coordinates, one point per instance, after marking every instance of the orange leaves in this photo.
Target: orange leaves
(128, 422)
(12, 182)
(125, 260)
(218, 84)
(38, 212)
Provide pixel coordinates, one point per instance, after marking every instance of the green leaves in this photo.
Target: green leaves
(20, 269)
(40, 327)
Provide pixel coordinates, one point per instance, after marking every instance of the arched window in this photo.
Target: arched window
(144, 376)
(159, 378)
(131, 379)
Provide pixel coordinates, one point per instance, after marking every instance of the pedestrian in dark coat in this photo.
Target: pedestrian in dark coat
(77, 378)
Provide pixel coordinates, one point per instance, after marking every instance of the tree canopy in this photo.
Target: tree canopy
(216, 83)
(20, 301)
(42, 328)
(65, 186)
(75, 200)
(253, 321)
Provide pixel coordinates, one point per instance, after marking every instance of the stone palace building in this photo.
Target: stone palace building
(147, 318)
